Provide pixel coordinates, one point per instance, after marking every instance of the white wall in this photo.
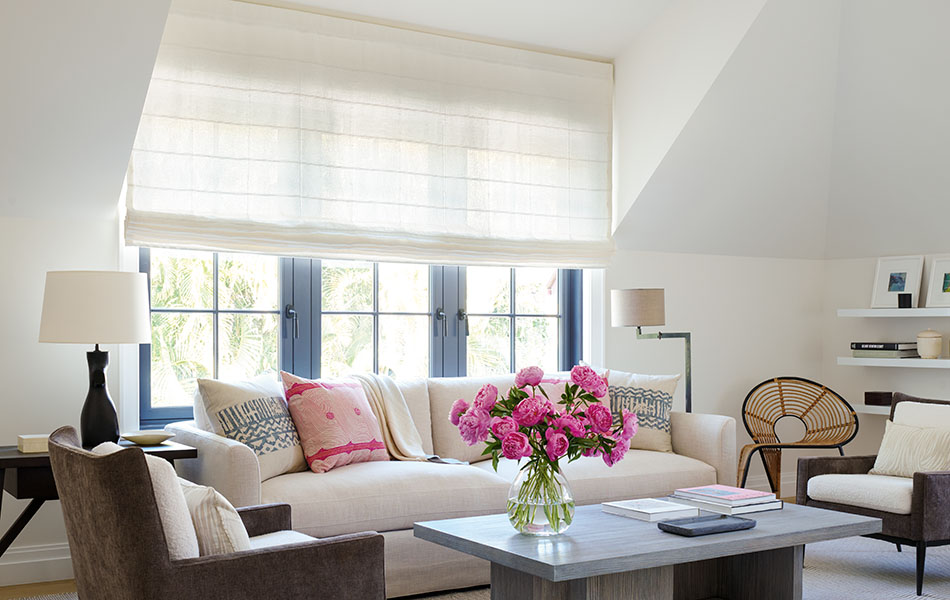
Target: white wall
(750, 319)
(75, 78)
(890, 191)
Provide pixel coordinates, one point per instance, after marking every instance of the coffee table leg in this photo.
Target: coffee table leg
(773, 574)
(645, 584)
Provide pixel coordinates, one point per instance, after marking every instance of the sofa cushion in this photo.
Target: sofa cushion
(385, 496)
(443, 391)
(641, 474)
(336, 424)
(279, 538)
(875, 492)
(906, 450)
(651, 398)
(922, 414)
(254, 413)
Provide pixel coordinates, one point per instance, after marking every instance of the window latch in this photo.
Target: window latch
(463, 317)
(440, 316)
(290, 313)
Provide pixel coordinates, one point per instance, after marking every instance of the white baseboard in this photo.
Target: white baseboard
(33, 564)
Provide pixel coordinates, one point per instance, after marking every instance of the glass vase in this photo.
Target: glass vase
(540, 501)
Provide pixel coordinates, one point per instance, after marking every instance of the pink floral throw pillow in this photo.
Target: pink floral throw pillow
(334, 421)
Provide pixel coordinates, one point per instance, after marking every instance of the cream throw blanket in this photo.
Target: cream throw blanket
(400, 435)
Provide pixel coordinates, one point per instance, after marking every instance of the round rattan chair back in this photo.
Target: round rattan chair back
(830, 422)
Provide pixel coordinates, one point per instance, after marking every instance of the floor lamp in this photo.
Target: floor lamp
(646, 307)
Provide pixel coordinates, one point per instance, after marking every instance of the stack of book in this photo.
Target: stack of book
(650, 509)
(884, 349)
(727, 500)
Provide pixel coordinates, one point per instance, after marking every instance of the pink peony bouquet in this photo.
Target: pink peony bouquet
(528, 424)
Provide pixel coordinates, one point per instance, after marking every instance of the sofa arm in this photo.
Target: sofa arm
(224, 464)
(346, 567)
(265, 518)
(930, 505)
(709, 438)
(828, 465)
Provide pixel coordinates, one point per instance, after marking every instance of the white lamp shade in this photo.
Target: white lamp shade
(95, 307)
(637, 307)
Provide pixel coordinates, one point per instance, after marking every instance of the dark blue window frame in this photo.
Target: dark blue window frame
(299, 347)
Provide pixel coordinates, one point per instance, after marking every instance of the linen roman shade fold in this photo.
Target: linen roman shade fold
(286, 132)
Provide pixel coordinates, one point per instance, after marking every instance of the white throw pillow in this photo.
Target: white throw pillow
(172, 508)
(651, 398)
(218, 525)
(906, 450)
(255, 413)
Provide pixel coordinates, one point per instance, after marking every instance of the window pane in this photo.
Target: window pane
(182, 351)
(536, 291)
(488, 290)
(536, 342)
(403, 288)
(247, 345)
(347, 345)
(489, 346)
(181, 279)
(404, 346)
(247, 281)
(347, 285)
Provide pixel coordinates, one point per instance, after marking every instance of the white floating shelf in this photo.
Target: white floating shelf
(913, 363)
(870, 409)
(894, 312)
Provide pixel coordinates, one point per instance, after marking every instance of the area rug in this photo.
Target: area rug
(852, 569)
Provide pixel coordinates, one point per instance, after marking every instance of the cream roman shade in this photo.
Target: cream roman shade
(286, 132)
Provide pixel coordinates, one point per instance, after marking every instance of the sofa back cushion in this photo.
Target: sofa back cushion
(254, 413)
(443, 391)
(922, 414)
(336, 424)
(651, 398)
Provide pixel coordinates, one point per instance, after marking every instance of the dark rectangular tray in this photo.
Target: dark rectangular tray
(695, 526)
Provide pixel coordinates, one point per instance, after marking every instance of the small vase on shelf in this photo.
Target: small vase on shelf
(929, 344)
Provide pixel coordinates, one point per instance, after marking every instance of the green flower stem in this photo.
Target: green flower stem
(540, 489)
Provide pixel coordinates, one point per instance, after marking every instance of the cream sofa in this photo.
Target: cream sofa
(390, 496)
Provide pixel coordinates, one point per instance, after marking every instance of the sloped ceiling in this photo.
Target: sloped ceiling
(748, 174)
(75, 76)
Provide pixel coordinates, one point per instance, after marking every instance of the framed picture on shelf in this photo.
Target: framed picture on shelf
(938, 292)
(897, 275)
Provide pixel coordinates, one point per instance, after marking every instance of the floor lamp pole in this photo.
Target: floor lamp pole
(689, 358)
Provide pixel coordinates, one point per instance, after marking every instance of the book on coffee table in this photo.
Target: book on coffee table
(649, 509)
(724, 495)
(724, 509)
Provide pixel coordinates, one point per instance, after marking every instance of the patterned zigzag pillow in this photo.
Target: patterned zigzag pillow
(651, 398)
(255, 413)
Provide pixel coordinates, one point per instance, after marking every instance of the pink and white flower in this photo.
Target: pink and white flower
(502, 426)
(486, 397)
(557, 444)
(529, 376)
(600, 418)
(630, 425)
(589, 381)
(473, 426)
(516, 446)
(530, 411)
(616, 455)
(458, 409)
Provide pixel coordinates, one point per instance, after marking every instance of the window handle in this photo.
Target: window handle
(440, 316)
(290, 313)
(463, 316)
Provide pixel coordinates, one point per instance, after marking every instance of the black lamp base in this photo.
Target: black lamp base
(98, 422)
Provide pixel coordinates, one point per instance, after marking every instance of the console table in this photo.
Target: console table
(29, 476)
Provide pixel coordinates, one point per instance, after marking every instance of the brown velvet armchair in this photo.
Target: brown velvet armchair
(119, 551)
(928, 523)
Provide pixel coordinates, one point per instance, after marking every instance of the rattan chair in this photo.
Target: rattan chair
(829, 421)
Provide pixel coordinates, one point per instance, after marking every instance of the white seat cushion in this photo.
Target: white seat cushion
(278, 538)
(876, 492)
(641, 474)
(385, 495)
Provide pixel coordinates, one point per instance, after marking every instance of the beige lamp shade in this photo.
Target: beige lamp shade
(95, 307)
(637, 307)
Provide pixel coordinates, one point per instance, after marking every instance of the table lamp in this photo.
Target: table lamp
(647, 308)
(96, 307)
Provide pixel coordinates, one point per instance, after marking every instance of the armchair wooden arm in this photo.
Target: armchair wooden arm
(829, 465)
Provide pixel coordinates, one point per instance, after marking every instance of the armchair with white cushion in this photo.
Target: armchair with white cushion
(913, 502)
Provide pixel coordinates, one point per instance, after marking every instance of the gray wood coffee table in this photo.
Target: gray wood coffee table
(607, 557)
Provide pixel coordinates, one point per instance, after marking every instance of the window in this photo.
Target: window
(233, 316)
